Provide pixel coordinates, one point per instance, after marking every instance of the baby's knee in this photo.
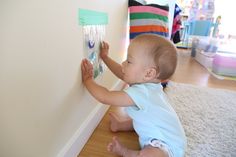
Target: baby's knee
(144, 153)
(152, 152)
(141, 154)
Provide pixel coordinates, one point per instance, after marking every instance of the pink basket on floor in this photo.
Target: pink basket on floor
(224, 64)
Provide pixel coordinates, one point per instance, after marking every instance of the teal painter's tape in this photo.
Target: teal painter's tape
(90, 17)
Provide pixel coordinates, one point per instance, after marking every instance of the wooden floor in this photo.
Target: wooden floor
(188, 71)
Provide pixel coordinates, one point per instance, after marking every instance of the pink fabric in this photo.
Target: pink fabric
(225, 60)
(176, 24)
(140, 9)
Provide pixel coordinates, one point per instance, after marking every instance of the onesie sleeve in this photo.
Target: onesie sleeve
(138, 94)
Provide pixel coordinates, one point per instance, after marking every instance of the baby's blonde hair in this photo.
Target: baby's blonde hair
(162, 51)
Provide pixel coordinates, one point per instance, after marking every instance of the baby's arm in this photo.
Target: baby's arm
(111, 64)
(116, 98)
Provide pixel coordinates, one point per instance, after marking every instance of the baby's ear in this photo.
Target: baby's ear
(151, 73)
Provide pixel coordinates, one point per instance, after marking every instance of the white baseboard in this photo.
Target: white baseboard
(81, 136)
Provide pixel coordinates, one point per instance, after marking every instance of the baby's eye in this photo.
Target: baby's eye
(128, 62)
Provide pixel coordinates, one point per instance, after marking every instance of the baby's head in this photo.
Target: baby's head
(155, 55)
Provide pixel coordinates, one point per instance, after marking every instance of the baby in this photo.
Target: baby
(150, 58)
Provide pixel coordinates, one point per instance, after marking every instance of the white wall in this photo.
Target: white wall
(42, 99)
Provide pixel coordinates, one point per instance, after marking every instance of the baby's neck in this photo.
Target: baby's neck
(153, 81)
(150, 81)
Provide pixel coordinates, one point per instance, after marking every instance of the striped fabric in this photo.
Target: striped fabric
(150, 18)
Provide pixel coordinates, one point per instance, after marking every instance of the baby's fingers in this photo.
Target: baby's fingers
(86, 65)
(87, 70)
(104, 45)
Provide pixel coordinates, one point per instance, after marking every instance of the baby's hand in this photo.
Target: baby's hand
(104, 47)
(87, 70)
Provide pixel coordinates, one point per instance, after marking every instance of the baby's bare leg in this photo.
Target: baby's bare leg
(117, 148)
(118, 124)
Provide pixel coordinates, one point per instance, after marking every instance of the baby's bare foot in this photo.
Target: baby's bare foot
(114, 122)
(116, 147)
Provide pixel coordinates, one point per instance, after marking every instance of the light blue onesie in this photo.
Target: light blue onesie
(154, 118)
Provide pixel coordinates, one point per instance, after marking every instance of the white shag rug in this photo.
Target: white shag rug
(208, 116)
